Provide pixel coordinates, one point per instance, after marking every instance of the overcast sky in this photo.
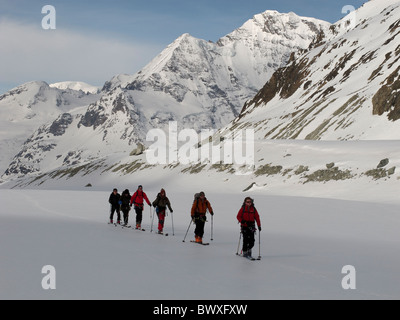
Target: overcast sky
(95, 40)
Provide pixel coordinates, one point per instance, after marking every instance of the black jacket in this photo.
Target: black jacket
(114, 199)
(125, 198)
(162, 203)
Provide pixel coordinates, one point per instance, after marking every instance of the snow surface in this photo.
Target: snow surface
(306, 239)
(305, 243)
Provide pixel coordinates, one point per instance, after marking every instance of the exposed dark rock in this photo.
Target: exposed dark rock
(59, 126)
(301, 169)
(340, 65)
(329, 174)
(250, 187)
(119, 104)
(285, 82)
(391, 171)
(383, 163)
(377, 173)
(330, 165)
(94, 117)
(387, 98)
(268, 170)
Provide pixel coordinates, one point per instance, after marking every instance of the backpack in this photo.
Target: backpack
(196, 200)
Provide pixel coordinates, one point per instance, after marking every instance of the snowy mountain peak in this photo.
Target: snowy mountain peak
(75, 85)
(121, 80)
(278, 28)
(27, 107)
(340, 87)
(212, 81)
(197, 83)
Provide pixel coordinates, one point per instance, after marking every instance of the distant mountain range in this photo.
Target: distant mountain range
(199, 84)
(284, 76)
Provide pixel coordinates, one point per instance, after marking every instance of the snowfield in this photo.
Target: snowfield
(329, 209)
(305, 243)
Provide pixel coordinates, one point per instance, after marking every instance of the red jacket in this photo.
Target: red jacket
(248, 215)
(138, 199)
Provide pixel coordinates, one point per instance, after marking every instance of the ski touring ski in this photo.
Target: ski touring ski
(162, 234)
(247, 257)
(202, 243)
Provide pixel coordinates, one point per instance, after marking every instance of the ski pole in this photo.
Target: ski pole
(187, 230)
(152, 221)
(259, 245)
(240, 239)
(172, 218)
(212, 228)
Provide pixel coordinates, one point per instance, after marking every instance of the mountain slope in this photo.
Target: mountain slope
(345, 87)
(198, 84)
(29, 106)
(209, 82)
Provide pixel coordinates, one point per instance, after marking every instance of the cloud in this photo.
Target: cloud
(28, 52)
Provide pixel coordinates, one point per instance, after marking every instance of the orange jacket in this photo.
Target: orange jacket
(200, 207)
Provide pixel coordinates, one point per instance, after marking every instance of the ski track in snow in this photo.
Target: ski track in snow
(43, 209)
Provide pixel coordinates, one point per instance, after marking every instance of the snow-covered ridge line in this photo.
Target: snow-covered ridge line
(344, 88)
(328, 169)
(200, 85)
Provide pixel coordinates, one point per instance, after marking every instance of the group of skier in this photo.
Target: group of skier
(125, 202)
(247, 216)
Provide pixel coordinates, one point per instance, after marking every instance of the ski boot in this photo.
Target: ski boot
(199, 239)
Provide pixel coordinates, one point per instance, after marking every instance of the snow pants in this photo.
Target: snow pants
(248, 238)
(139, 215)
(199, 231)
(125, 212)
(114, 209)
(161, 219)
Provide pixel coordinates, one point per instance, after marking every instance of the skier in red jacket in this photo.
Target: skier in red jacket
(248, 216)
(138, 201)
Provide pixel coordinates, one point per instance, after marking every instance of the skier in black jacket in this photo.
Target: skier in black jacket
(115, 203)
(125, 207)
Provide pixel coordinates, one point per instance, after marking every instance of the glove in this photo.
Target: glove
(212, 213)
(259, 228)
(172, 211)
(154, 205)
